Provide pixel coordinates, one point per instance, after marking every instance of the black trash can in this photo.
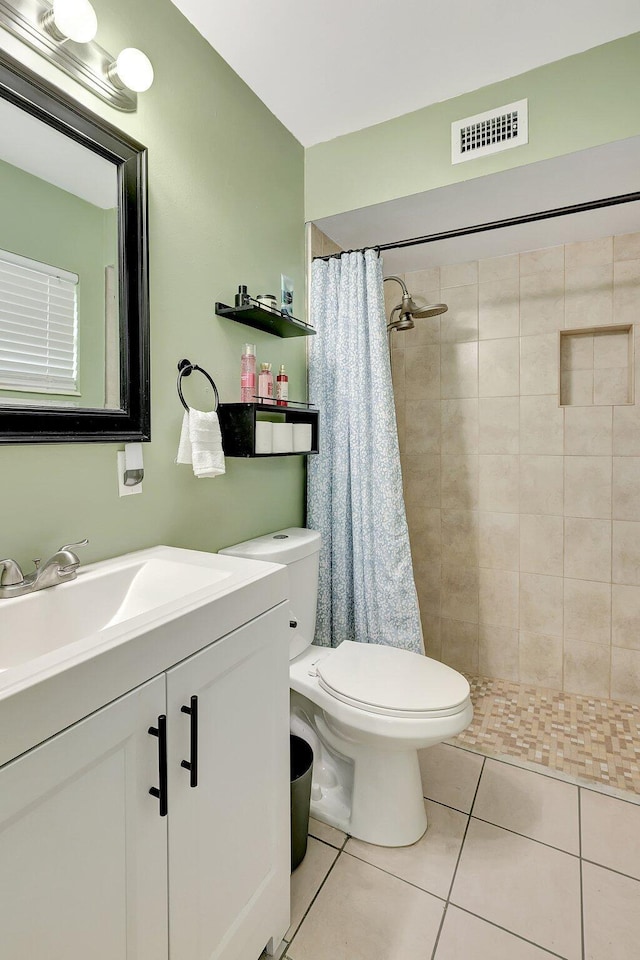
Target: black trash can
(301, 774)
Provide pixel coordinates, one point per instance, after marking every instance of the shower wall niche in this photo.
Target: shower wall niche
(520, 445)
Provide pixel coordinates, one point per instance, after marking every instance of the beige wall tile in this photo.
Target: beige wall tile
(610, 832)
(459, 483)
(422, 428)
(539, 261)
(460, 646)
(397, 375)
(587, 487)
(587, 611)
(541, 485)
(625, 622)
(459, 370)
(588, 253)
(498, 598)
(426, 330)
(420, 283)
(588, 296)
(421, 475)
(541, 426)
(576, 351)
(588, 432)
(626, 246)
(577, 387)
(626, 488)
(460, 323)
(541, 604)
(460, 537)
(498, 483)
(498, 654)
(459, 274)
(626, 291)
(587, 549)
(498, 368)
(541, 544)
(432, 635)
(499, 309)
(540, 660)
(499, 427)
(625, 675)
(611, 350)
(459, 426)
(586, 668)
(422, 373)
(626, 431)
(428, 578)
(498, 268)
(626, 552)
(539, 365)
(499, 541)
(611, 387)
(541, 302)
(459, 594)
(424, 532)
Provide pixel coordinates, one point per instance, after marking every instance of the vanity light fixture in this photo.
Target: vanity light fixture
(63, 32)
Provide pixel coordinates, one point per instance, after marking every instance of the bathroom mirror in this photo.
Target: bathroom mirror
(74, 316)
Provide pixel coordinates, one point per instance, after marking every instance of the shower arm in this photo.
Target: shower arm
(401, 307)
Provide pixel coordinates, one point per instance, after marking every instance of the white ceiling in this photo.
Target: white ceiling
(605, 171)
(332, 67)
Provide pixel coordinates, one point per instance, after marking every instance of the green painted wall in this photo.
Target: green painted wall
(575, 103)
(45, 223)
(226, 207)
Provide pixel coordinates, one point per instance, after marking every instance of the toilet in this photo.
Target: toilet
(366, 709)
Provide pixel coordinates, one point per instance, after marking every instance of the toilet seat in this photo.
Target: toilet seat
(392, 682)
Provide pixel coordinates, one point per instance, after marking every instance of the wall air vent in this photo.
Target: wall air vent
(490, 132)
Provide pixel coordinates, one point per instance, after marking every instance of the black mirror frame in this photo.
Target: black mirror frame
(30, 92)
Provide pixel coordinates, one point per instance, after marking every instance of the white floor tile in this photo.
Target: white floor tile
(536, 806)
(611, 833)
(611, 915)
(307, 879)
(362, 913)
(322, 831)
(464, 936)
(450, 775)
(429, 863)
(529, 889)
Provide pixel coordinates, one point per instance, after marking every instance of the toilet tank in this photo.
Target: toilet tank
(299, 550)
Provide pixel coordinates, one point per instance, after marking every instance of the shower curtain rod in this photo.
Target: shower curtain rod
(495, 224)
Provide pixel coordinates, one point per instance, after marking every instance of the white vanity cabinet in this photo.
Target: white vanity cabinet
(86, 860)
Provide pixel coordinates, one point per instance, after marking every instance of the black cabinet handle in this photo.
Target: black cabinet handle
(192, 764)
(161, 792)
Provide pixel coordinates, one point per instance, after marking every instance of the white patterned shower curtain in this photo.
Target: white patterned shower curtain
(366, 591)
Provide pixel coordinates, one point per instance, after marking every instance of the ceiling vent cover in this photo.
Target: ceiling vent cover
(490, 132)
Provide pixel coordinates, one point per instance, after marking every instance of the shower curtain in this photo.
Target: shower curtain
(366, 590)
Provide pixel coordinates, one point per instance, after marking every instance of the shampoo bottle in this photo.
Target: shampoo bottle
(282, 388)
(265, 384)
(248, 374)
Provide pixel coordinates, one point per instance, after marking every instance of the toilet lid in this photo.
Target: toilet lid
(390, 681)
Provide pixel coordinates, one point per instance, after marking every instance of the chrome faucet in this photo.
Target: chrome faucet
(60, 568)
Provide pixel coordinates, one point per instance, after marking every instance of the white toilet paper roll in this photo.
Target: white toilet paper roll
(301, 437)
(282, 438)
(264, 437)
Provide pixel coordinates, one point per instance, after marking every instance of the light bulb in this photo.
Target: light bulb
(133, 69)
(75, 20)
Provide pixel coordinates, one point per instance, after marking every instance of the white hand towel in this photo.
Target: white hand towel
(201, 443)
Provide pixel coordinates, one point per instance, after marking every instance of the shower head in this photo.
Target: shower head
(408, 310)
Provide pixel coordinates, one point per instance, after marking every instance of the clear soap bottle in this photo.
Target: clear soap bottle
(248, 374)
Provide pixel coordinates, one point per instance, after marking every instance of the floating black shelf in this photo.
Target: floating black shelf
(238, 427)
(261, 318)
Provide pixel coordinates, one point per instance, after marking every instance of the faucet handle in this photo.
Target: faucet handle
(10, 573)
(80, 543)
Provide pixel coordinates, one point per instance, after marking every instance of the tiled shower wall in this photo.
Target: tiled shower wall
(524, 516)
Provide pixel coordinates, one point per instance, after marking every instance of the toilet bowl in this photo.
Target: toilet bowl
(366, 709)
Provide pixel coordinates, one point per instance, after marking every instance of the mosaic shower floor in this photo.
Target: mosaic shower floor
(585, 738)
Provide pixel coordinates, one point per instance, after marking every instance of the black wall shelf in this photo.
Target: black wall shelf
(261, 318)
(238, 427)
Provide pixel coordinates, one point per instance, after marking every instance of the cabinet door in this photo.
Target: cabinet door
(82, 847)
(229, 858)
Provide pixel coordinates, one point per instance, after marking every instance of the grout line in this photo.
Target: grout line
(388, 873)
(518, 936)
(525, 836)
(582, 938)
(315, 897)
(619, 873)
(437, 940)
(455, 869)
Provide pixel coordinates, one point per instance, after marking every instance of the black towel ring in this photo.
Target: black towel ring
(186, 367)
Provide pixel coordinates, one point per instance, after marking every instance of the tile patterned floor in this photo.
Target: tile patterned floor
(515, 865)
(588, 738)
